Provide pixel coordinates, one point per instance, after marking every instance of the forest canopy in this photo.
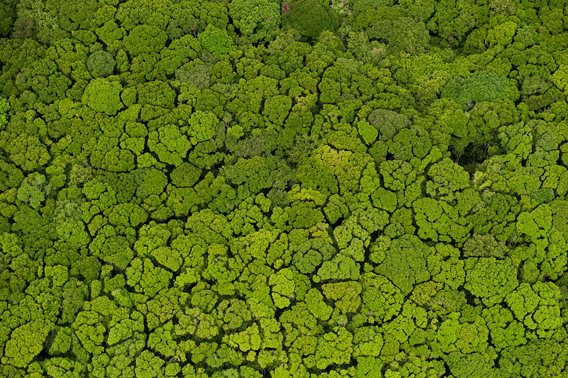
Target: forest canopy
(283, 188)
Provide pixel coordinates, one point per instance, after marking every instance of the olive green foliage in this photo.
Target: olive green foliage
(283, 189)
(103, 96)
(216, 40)
(477, 87)
(310, 17)
(8, 12)
(186, 175)
(145, 39)
(258, 19)
(32, 190)
(101, 63)
(387, 122)
(4, 107)
(402, 34)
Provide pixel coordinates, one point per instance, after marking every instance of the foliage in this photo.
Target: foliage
(101, 64)
(216, 40)
(477, 87)
(285, 189)
(259, 19)
(310, 17)
(103, 96)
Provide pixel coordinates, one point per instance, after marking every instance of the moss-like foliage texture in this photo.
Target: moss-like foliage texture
(283, 189)
(310, 17)
(479, 86)
(103, 96)
(101, 63)
(257, 19)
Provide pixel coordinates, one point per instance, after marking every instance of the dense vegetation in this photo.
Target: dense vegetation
(257, 188)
